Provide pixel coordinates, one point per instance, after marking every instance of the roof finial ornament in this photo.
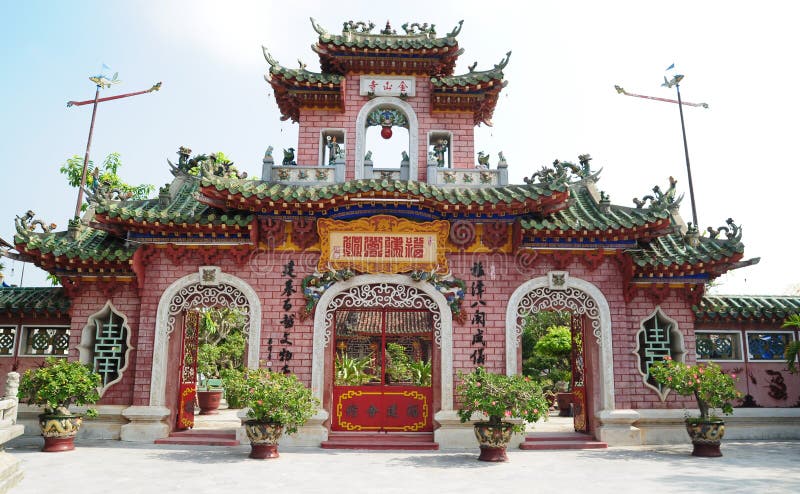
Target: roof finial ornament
(388, 29)
(301, 64)
(660, 201)
(733, 232)
(560, 174)
(270, 60)
(26, 223)
(472, 67)
(456, 30)
(503, 62)
(319, 29)
(417, 29)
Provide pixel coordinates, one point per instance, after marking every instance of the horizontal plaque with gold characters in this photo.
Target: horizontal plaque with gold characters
(382, 244)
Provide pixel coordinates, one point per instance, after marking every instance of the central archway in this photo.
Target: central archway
(359, 290)
(413, 133)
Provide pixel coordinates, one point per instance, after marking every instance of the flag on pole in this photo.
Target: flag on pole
(671, 67)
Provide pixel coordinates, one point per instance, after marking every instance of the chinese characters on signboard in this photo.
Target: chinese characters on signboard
(371, 85)
(478, 319)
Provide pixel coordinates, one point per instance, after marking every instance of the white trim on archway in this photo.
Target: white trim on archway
(158, 375)
(445, 316)
(606, 367)
(413, 133)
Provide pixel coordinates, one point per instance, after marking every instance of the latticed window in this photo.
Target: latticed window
(658, 338)
(8, 339)
(105, 343)
(719, 345)
(768, 345)
(41, 340)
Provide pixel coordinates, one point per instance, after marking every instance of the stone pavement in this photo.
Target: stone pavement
(113, 466)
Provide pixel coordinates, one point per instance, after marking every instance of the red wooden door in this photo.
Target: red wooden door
(382, 371)
(187, 389)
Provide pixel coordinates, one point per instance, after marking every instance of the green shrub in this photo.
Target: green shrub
(58, 384)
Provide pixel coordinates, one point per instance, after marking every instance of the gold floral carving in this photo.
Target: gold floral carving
(433, 233)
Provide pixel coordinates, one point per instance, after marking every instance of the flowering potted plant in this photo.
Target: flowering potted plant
(277, 403)
(499, 398)
(712, 389)
(55, 386)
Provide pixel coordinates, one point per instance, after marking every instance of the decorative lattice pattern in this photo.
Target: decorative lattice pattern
(47, 341)
(110, 346)
(383, 295)
(767, 346)
(572, 299)
(8, 337)
(719, 346)
(657, 339)
(196, 295)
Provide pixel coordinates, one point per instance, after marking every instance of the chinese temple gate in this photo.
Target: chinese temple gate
(435, 260)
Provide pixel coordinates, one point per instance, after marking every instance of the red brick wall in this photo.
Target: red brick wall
(313, 121)
(17, 361)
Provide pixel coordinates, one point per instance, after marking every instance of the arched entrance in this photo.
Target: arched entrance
(591, 321)
(406, 110)
(208, 288)
(390, 302)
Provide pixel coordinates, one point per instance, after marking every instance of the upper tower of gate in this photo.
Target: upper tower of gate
(372, 77)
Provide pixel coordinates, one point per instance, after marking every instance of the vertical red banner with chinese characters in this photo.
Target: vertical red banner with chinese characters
(187, 391)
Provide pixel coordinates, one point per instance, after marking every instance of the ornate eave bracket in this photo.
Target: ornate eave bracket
(315, 285)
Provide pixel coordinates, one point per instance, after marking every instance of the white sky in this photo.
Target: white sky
(560, 102)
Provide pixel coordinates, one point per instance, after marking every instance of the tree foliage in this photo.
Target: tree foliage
(546, 367)
(105, 174)
(793, 348)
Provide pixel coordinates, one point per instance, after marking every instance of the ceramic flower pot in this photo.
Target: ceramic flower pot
(264, 439)
(59, 431)
(493, 440)
(706, 437)
(209, 401)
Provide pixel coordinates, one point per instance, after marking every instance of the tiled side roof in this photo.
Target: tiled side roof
(37, 300)
(724, 308)
(89, 244)
(236, 191)
(672, 250)
(472, 78)
(585, 214)
(184, 208)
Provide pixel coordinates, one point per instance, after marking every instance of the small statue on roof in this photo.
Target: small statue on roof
(288, 157)
(405, 157)
(268, 154)
(483, 161)
(439, 150)
(334, 149)
(388, 29)
(368, 156)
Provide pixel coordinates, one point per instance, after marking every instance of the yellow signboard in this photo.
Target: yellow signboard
(382, 244)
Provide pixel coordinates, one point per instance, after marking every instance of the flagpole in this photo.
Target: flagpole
(686, 153)
(86, 156)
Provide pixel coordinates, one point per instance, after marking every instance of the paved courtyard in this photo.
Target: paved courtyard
(112, 466)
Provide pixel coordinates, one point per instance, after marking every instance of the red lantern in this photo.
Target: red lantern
(386, 132)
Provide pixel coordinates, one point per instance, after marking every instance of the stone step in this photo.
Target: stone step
(378, 441)
(201, 437)
(561, 440)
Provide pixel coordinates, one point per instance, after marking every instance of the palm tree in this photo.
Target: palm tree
(793, 348)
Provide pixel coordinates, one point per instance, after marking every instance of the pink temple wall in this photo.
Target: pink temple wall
(312, 122)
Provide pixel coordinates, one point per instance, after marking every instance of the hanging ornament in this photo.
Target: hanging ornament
(386, 132)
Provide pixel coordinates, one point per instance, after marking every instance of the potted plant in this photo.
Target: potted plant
(55, 386)
(277, 403)
(499, 398)
(712, 389)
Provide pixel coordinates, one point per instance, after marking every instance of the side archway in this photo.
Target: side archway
(188, 293)
(413, 132)
(573, 294)
(414, 292)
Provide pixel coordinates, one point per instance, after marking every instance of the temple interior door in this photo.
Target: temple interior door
(578, 375)
(382, 370)
(187, 389)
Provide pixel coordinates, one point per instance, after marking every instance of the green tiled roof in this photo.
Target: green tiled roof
(672, 249)
(584, 213)
(300, 193)
(36, 300)
(300, 74)
(473, 78)
(357, 39)
(184, 208)
(754, 307)
(89, 244)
